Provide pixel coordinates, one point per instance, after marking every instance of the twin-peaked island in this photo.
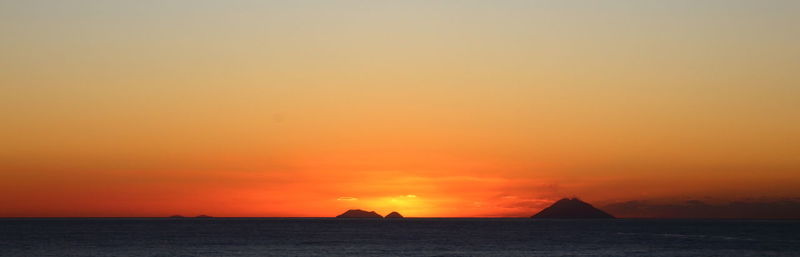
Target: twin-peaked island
(362, 214)
(562, 209)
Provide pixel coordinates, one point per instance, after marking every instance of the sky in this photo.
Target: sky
(429, 108)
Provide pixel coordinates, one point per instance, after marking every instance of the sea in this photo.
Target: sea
(164, 237)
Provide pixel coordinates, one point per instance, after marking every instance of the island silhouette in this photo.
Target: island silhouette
(394, 215)
(571, 209)
(360, 214)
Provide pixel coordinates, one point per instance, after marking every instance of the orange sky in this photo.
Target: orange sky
(447, 108)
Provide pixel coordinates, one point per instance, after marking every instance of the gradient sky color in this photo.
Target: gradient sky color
(429, 108)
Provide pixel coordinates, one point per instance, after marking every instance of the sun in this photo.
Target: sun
(409, 205)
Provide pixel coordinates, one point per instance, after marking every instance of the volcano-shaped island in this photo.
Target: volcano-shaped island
(572, 209)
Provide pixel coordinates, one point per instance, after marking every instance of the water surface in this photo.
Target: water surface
(96, 237)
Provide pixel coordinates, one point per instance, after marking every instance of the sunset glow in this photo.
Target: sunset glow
(428, 108)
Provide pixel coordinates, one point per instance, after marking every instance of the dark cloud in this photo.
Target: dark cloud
(761, 209)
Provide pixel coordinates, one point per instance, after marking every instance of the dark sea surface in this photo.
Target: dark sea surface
(405, 237)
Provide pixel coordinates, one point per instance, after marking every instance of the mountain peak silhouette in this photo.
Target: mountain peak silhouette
(357, 213)
(571, 209)
(394, 215)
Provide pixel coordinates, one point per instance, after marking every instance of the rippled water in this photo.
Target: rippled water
(407, 237)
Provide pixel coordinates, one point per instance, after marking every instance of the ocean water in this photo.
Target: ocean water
(407, 237)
